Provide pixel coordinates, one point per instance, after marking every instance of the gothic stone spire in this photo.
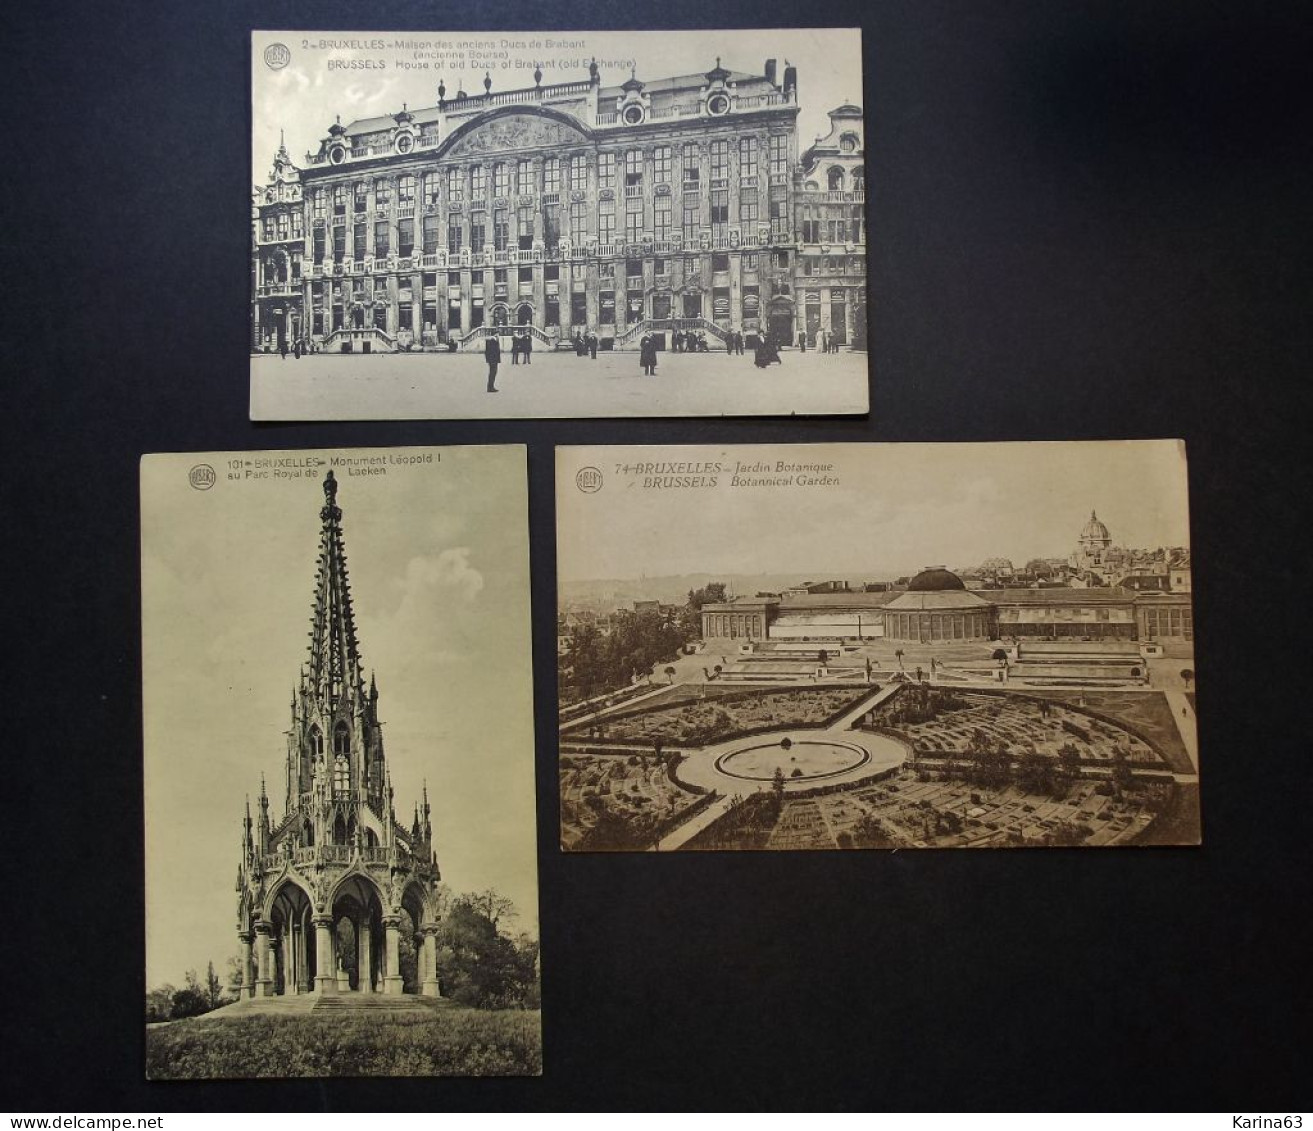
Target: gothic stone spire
(335, 669)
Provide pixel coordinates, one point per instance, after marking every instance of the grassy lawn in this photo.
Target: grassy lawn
(1148, 712)
(698, 722)
(453, 1042)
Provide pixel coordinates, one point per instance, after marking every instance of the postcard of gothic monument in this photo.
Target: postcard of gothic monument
(341, 871)
(838, 646)
(557, 224)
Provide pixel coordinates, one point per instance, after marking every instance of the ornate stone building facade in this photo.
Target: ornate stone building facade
(563, 208)
(324, 892)
(831, 233)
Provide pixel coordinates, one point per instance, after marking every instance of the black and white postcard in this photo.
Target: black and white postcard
(840, 646)
(565, 224)
(340, 854)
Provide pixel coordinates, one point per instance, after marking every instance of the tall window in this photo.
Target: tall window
(341, 739)
(578, 220)
(501, 179)
(524, 176)
(341, 779)
(359, 236)
(430, 234)
(634, 219)
(453, 235)
(747, 157)
(478, 182)
(690, 223)
(749, 208)
(430, 189)
(779, 218)
(719, 211)
(501, 229)
(606, 170)
(478, 229)
(661, 162)
(339, 200)
(381, 239)
(606, 222)
(719, 160)
(406, 191)
(362, 197)
(578, 174)
(319, 203)
(552, 175)
(318, 245)
(339, 244)
(405, 235)
(633, 167)
(551, 224)
(779, 155)
(382, 193)
(455, 185)
(524, 227)
(662, 217)
(692, 167)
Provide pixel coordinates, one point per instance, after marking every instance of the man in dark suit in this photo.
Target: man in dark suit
(492, 355)
(527, 347)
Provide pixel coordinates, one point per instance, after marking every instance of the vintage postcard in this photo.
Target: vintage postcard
(557, 224)
(826, 646)
(341, 871)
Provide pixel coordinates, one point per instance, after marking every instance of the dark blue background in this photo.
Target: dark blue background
(1088, 220)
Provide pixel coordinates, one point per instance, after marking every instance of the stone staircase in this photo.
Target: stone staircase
(350, 1001)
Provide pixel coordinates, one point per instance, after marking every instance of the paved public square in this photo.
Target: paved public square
(557, 384)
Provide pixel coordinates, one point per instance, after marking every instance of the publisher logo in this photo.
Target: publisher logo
(277, 56)
(202, 477)
(588, 480)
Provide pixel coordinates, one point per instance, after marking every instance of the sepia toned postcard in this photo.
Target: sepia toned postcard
(557, 224)
(837, 646)
(340, 858)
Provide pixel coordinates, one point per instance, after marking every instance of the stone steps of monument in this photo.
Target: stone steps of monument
(386, 1003)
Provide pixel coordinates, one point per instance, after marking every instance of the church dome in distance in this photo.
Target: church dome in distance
(934, 579)
(1095, 531)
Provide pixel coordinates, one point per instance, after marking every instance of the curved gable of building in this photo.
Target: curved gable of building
(515, 129)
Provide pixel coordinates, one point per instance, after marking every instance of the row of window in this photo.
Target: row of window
(1174, 622)
(662, 305)
(556, 172)
(475, 227)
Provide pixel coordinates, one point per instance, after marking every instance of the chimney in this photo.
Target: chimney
(770, 71)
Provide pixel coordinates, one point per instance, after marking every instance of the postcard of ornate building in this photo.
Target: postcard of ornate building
(839, 646)
(340, 850)
(650, 223)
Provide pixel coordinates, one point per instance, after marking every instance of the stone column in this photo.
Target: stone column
(392, 983)
(247, 990)
(289, 961)
(429, 984)
(263, 982)
(325, 976)
(363, 957)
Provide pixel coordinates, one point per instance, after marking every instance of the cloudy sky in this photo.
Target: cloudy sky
(304, 97)
(897, 508)
(439, 575)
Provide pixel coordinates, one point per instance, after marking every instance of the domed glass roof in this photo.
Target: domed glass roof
(934, 579)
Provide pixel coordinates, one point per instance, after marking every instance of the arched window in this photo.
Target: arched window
(341, 775)
(308, 834)
(339, 830)
(341, 739)
(835, 178)
(316, 741)
(859, 180)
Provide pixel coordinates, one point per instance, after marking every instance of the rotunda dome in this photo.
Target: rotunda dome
(934, 579)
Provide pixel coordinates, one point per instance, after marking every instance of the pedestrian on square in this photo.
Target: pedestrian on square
(647, 355)
(592, 345)
(527, 348)
(516, 344)
(802, 340)
(492, 355)
(282, 348)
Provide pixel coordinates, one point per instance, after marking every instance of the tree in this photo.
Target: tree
(670, 673)
(777, 788)
(480, 966)
(898, 655)
(492, 906)
(191, 1000)
(1187, 677)
(159, 1003)
(214, 994)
